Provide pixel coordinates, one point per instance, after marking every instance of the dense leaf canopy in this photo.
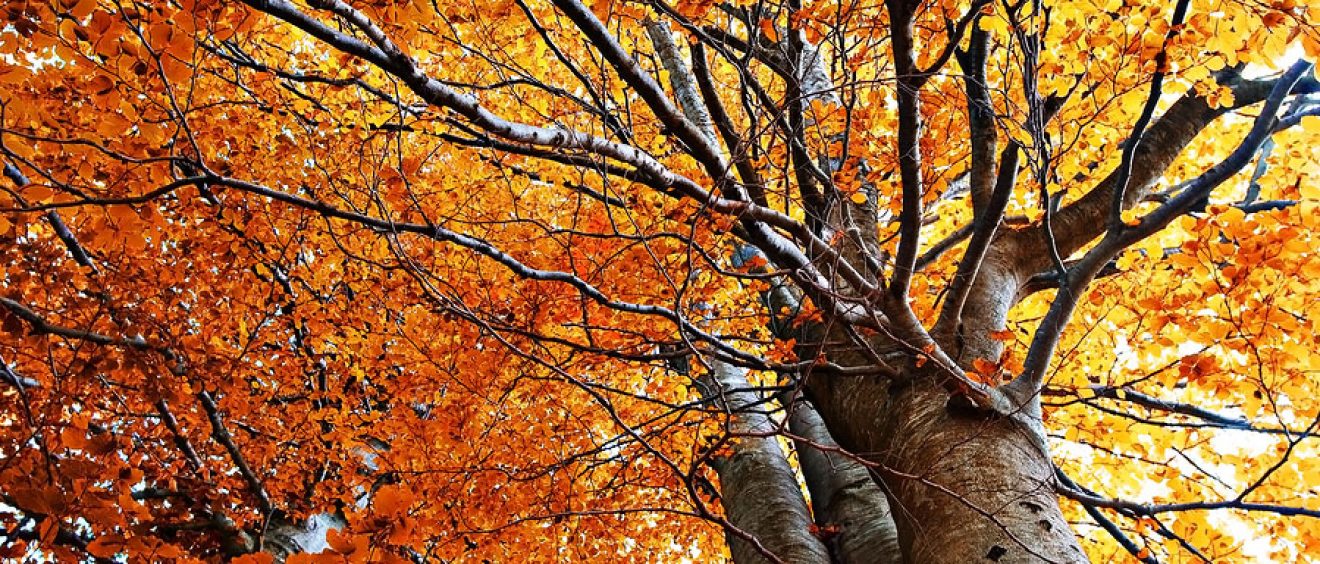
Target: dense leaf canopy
(454, 274)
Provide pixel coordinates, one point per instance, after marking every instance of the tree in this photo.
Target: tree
(776, 281)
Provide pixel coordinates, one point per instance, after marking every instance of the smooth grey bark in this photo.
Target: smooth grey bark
(848, 505)
(975, 488)
(964, 487)
(758, 488)
(681, 79)
(285, 538)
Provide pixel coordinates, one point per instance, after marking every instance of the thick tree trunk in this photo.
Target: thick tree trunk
(760, 493)
(849, 506)
(964, 487)
(981, 489)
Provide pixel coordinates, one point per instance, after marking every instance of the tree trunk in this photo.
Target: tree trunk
(965, 487)
(983, 488)
(285, 539)
(760, 494)
(849, 506)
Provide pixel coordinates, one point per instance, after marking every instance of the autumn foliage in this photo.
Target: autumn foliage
(466, 280)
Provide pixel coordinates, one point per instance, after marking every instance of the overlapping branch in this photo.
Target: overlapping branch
(1028, 383)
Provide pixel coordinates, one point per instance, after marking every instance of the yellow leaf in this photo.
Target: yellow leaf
(1311, 124)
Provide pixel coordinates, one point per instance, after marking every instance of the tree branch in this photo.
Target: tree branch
(1130, 147)
(681, 80)
(1218, 420)
(1138, 508)
(702, 148)
(1080, 222)
(435, 92)
(61, 230)
(980, 118)
(724, 124)
(1104, 522)
(222, 436)
(909, 148)
(1051, 327)
(956, 31)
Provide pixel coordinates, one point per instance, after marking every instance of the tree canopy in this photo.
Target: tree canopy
(571, 280)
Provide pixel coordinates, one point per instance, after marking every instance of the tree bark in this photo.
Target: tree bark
(285, 538)
(849, 507)
(964, 487)
(982, 489)
(759, 490)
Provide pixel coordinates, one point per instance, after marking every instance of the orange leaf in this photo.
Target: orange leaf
(985, 367)
(105, 546)
(50, 527)
(341, 541)
(392, 500)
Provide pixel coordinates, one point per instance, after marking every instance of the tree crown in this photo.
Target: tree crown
(463, 275)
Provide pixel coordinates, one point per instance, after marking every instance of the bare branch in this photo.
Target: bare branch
(902, 42)
(984, 228)
(1080, 222)
(724, 124)
(40, 326)
(681, 79)
(980, 118)
(1218, 420)
(435, 92)
(703, 149)
(956, 31)
(1105, 523)
(1158, 508)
